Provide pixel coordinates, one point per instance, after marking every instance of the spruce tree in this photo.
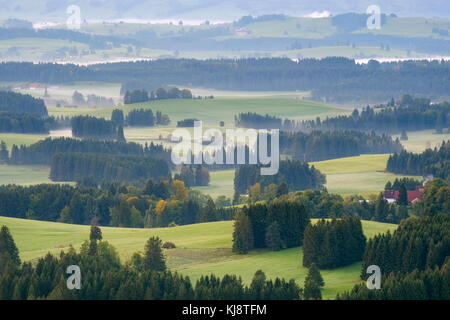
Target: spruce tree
(311, 291)
(242, 234)
(120, 135)
(273, 237)
(153, 256)
(314, 275)
(9, 254)
(4, 155)
(402, 195)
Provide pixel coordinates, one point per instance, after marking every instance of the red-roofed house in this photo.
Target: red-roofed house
(413, 195)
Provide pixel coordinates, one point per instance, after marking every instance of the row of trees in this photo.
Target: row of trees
(191, 175)
(333, 78)
(277, 225)
(323, 145)
(411, 114)
(13, 102)
(409, 183)
(321, 204)
(296, 174)
(103, 167)
(92, 127)
(139, 117)
(435, 162)
(23, 123)
(257, 121)
(105, 277)
(141, 95)
(333, 244)
(42, 152)
(157, 204)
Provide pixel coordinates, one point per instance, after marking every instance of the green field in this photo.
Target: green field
(201, 249)
(221, 183)
(24, 175)
(19, 139)
(418, 141)
(211, 112)
(362, 175)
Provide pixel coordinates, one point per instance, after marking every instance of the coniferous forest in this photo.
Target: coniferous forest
(430, 162)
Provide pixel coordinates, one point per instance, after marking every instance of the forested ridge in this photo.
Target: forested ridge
(335, 79)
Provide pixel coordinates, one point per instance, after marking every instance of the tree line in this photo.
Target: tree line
(141, 95)
(324, 145)
(296, 174)
(92, 127)
(410, 114)
(43, 151)
(333, 79)
(197, 175)
(277, 225)
(13, 102)
(24, 123)
(139, 117)
(75, 166)
(257, 121)
(155, 204)
(409, 183)
(435, 162)
(333, 244)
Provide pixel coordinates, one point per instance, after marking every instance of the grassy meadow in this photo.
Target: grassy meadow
(418, 141)
(24, 175)
(211, 112)
(201, 249)
(362, 175)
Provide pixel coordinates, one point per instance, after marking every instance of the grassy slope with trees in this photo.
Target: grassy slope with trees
(201, 249)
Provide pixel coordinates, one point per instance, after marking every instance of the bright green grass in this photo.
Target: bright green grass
(363, 163)
(19, 139)
(201, 249)
(363, 175)
(221, 183)
(211, 112)
(418, 141)
(24, 175)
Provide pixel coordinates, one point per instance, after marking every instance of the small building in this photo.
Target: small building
(414, 196)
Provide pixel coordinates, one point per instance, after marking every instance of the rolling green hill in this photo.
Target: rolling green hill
(201, 249)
